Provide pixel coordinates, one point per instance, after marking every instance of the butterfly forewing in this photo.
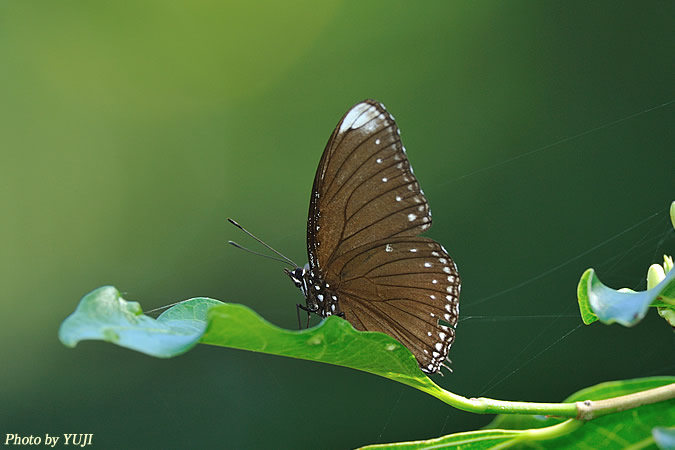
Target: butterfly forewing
(366, 259)
(364, 188)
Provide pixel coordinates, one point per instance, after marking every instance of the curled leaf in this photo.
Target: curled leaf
(597, 301)
(104, 315)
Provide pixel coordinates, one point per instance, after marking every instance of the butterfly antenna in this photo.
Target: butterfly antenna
(274, 258)
(282, 258)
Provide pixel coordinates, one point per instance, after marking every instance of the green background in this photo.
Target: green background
(129, 131)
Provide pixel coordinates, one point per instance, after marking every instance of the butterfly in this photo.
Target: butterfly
(367, 262)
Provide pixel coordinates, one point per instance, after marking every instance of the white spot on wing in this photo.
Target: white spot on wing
(398, 198)
(370, 126)
(385, 179)
(412, 217)
(377, 141)
(388, 248)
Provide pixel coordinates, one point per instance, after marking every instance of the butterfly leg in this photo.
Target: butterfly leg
(299, 307)
(446, 366)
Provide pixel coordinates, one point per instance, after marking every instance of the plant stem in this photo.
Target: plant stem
(591, 409)
(586, 410)
(484, 405)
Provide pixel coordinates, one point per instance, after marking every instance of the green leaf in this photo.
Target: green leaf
(617, 388)
(624, 306)
(632, 427)
(600, 391)
(668, 314)
(597, 301)
(333, 341)
(482, 439)
(104, 315)
(617, 430)
(587, 315)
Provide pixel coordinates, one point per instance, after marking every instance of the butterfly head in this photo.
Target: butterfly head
(299, 278)
(320, 298)
(295, 276)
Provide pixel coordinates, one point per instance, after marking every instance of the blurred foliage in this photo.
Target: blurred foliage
(129, 132)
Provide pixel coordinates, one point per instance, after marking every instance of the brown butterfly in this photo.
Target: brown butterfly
(367, 262)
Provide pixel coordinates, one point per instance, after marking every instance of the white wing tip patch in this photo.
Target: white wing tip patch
(358, 116)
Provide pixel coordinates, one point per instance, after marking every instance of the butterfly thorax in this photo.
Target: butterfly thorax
(320, 298)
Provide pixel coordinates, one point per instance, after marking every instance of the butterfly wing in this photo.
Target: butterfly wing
(365, 215)
(364, 188)
(402, 286)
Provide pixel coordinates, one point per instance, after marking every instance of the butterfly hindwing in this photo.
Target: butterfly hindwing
(402, 286)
